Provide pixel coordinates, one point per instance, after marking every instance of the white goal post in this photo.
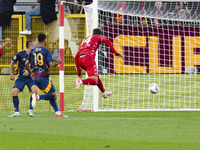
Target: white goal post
(160, 42)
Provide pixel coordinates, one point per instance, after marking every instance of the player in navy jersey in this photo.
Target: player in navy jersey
(40, 59)
(23, 78)
(85, 59)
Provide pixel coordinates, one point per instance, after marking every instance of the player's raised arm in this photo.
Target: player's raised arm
(54, 64)
(12, 77)
(51, 61)
(105, 40)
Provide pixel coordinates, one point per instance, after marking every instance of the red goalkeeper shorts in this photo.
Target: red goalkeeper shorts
(88, 63)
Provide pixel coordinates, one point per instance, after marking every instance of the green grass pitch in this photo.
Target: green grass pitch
(129, 92)
(101, 131)
(107, 130)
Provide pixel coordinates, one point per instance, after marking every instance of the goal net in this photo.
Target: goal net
(160, 42)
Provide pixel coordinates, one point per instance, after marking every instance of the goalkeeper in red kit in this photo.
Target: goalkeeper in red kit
(85, 59)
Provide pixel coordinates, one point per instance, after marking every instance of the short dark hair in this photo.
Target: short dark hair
(28, 43)
(97, 31)
(41, 37)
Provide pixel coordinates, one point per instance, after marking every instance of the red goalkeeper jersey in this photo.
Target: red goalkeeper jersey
(90, 45)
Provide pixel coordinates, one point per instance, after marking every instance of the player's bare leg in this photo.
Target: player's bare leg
(78, 83)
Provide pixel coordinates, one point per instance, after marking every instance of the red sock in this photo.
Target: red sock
(100, 85)
(89, 81)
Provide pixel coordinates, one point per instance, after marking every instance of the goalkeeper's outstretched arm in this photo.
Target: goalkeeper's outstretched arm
(105, 40)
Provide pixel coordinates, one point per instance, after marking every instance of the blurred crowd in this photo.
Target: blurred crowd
(120, 12)
(78, 8)
(54, 48)
(138, 12)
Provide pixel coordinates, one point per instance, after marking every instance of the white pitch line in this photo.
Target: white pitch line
(83, 119)
(107, 119)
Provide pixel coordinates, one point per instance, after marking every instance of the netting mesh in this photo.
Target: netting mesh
(160, 44)
(13, 43)
(171, 11)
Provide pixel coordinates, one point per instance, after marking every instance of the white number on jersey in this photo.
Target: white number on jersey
(86, 42)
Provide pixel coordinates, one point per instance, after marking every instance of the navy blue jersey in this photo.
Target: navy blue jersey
(40, 58)
(21, 58)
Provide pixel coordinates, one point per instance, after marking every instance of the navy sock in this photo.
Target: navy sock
(54, 104)
(46, 97)
(16, 103)
(30, 107)
(51, 99)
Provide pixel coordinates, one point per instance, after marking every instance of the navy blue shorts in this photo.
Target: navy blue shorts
(21, 82)
(45, 84)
